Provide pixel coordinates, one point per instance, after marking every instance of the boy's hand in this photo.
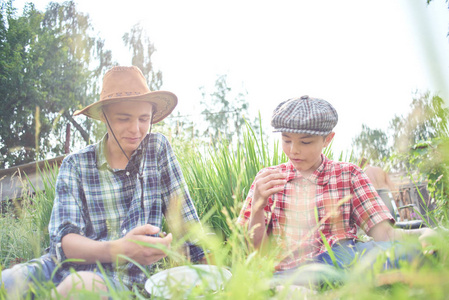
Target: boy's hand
(427, 237)
(142, 254)
(266, 184)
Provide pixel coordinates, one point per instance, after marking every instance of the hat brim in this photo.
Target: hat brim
(306, 131)
(163, 104)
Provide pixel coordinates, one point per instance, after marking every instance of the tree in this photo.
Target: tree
(372, 143)
(427, 120)
(74, 61)
(225, 117)
(16, 85)
(139, 43)
(50, 66)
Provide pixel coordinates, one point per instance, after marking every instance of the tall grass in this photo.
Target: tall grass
(24, 222)
(219, 179)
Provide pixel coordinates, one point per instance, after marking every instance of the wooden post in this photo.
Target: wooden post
(67, 139)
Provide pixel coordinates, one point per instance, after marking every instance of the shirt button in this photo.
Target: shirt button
(127, 173)
(124, 231)
(81, 233)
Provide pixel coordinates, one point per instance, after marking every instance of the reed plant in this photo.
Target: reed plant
(219, 178)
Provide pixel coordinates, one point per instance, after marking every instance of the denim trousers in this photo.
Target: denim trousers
(16, 280)
(327, 267)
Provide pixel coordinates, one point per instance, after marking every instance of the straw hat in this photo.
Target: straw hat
(129, 84)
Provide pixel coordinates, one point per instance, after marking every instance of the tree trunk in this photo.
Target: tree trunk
(84, 134)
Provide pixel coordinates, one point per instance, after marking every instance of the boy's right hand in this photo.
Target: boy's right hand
(266, 184)
(142, 254)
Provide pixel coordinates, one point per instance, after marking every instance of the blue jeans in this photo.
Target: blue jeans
(323, 268)
(17, 279)
(347, 251)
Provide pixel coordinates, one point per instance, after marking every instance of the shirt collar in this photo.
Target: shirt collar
(320, 176)
(101, 154)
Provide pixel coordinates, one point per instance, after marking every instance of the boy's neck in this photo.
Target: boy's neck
(307, 173)
(115, 157)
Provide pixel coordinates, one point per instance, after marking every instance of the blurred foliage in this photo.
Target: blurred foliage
(48, 60)
(431, 158)
(139, 43)
(225, 113)
(399, 151)
(426, 120)
(372, 143)
(51, 62)
(418, 147)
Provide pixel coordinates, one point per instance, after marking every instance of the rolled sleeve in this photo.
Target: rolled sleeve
(368, 208)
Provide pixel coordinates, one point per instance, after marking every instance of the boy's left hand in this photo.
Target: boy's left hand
(426, 239)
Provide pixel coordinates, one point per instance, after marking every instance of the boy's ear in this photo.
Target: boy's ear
(328, 139)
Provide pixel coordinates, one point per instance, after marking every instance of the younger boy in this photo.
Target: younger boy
(312, 201)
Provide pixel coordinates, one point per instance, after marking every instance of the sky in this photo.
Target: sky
(367, 58)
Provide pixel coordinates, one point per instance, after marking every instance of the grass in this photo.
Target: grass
(218, 179)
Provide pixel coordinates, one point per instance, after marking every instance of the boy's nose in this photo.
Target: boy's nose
(134, 126)
(295, 148)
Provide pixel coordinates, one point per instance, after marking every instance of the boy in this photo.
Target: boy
(112, 195)
(311, 199)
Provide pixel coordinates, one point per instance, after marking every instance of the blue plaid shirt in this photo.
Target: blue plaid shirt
(103, 204)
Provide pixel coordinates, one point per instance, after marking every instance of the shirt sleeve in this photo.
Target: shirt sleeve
(368, 208)
(178, 207)
(245, 212)
(67, 214)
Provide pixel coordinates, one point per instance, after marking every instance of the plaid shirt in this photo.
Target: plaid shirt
(308, 207)
(104, 204)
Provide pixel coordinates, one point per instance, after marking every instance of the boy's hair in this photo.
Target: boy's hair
(305, 115)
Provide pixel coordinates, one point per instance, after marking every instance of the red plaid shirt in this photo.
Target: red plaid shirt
(310, 207)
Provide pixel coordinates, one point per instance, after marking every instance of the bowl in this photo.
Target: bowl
(180, 282)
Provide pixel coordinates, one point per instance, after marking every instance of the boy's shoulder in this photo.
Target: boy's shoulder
(159, 138)
(87, 151)
(327, 169)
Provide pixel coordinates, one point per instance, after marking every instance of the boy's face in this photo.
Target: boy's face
(304, 150)
(130, 121)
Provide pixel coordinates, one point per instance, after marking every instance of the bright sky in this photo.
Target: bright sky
(365, 57)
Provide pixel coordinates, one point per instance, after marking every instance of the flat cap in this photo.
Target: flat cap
(305, 115)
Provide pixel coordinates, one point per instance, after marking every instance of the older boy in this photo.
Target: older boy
(112, 195)
(311, 203)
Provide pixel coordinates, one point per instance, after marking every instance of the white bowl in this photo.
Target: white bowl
(182, 281)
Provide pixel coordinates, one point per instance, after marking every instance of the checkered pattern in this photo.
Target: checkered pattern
(306, 207)
(103, 204)
(305, 115)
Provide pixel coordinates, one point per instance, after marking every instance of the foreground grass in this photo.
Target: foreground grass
(252, 276)
(218, 180)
